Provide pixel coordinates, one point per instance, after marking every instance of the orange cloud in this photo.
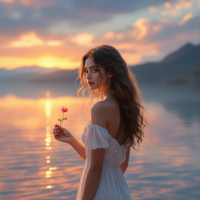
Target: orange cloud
(7, 1)
(37, 4)
(82, 39)
(186, 18)
(183, 4)
(26, 2)
(177, 7)
(174, 9)
(31, 39)
(139, 31)
(53, 43)
(141, 26)
(171, 12)
(132, 51)
(108, 35)
(27, 40)
(131, 58)
(152, 9)
(167, 5)
(186, 3)
(130, 43)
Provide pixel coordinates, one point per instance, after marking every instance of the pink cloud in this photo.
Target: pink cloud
(167, 5)
(174, 9)
(152, 9)
(186, 18)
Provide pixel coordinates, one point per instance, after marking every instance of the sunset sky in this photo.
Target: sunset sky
(56, 33)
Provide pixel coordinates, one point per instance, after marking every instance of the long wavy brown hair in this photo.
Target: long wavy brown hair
(122, 85)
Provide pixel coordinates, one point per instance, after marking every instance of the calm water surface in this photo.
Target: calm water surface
(36, 166)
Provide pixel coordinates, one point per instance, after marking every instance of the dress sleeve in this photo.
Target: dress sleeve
(97, 137)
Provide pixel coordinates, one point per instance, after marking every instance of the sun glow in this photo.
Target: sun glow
(7, 1)
(11, 62)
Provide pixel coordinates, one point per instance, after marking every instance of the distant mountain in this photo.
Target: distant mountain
(37, 74)
(24, 73)
(180, 66)
(58, 76)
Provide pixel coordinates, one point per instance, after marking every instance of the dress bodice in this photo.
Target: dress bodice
(95, 136)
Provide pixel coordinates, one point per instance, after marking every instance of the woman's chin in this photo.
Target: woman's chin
(92, 87)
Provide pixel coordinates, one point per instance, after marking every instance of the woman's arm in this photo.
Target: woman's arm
(96, 157)
(124, 165)
(94, 174)
(78, 147)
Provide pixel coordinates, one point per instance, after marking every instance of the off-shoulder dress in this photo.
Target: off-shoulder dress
(112, 184)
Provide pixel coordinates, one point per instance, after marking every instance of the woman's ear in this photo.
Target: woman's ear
(110, 74)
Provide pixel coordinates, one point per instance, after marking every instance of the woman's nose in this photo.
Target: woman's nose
(88, 76)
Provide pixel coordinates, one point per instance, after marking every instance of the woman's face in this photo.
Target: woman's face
(92, 75)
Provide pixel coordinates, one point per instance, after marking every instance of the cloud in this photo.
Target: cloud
(179, 4)
(54, 43)
(171, 12)
(152, 9)
(82, 39)
(31, 39)
(174, 8)
(186, 18)
(167, 5)
(141, 28)
(27, 40)
(144, 41)
(27, 36)
(7, 1)
(153, 39)
(77, 13)
(186, 3)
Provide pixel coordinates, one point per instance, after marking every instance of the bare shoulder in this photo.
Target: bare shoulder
(99, 113)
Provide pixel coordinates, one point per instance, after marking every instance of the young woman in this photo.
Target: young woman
(116, 124)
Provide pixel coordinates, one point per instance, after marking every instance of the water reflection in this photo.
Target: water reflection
(48, 135)
(167, 163)
(36, 166)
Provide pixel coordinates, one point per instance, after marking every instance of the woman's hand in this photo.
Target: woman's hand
(62, 134)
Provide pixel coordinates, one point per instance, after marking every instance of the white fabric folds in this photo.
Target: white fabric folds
(112, 184)
(97, 137)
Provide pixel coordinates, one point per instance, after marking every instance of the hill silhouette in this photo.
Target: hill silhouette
(179, 66)
(25, 73)
(58, 76)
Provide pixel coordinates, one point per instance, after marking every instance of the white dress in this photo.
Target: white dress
(112, 184)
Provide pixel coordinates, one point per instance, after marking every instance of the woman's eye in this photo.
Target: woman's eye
(94, 70)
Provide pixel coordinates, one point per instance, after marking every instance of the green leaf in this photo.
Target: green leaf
(64, 118)
(59, 119)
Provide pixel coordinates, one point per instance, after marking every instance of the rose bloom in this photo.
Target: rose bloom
(64, 109)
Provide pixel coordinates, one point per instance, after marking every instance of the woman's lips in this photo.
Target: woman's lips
(90, 83)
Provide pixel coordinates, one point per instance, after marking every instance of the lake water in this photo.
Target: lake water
(33, 165)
